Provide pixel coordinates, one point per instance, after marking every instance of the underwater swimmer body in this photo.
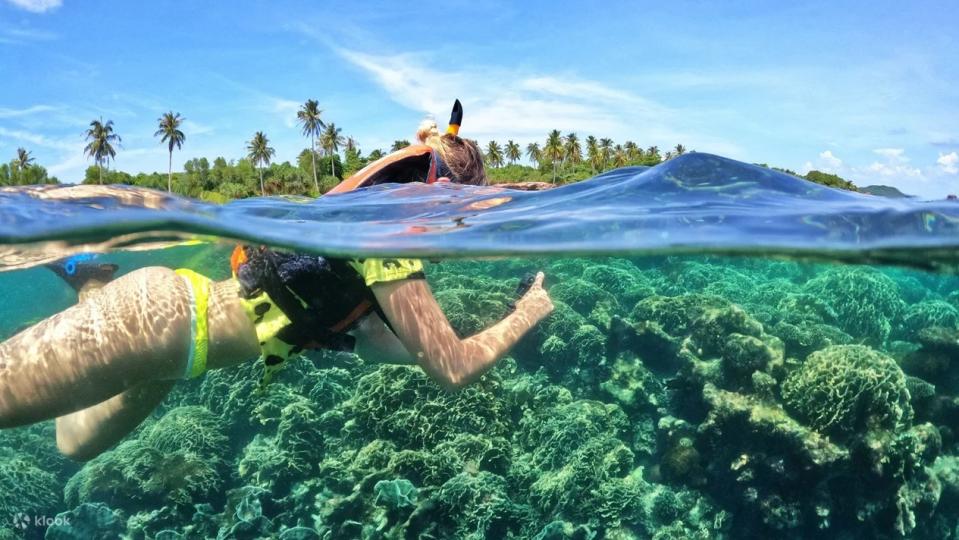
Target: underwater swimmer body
(101, 366)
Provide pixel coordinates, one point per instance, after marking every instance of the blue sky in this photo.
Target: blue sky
(868, 90)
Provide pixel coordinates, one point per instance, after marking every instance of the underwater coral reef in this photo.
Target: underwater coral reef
(665, 398)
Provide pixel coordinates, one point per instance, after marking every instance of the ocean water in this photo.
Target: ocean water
(735, 353)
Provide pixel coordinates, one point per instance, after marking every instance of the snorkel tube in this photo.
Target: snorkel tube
(456, 119)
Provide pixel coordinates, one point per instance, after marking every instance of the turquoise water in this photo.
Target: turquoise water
(675, 392)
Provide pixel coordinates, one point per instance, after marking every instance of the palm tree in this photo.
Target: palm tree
(619, 156)
(633, 152)
(553, 149)
(512, 151)
(668, 156)
(309, 118)
(399, 144)
(351, 144)
(260, 153)
(573, 152)
(652, 153)
(592, 153)
(331, 141)
(100, 147)
(533, 152)
(680, 149)
(22, 162)
(494, 154)
(605, 151)
(170, 133)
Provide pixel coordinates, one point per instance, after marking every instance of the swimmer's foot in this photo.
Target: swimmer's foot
(83, 276)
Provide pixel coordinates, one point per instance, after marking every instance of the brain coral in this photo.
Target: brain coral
(844, 388)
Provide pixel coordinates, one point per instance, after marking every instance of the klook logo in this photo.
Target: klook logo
(21, 520)
(25, 521)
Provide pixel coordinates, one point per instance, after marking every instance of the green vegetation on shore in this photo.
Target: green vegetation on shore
(561, 159)
(22, 171)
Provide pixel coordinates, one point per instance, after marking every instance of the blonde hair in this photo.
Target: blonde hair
(462, 156)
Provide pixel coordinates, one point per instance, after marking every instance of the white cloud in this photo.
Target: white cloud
(830, 160)
(827, 162)
(895, 166)
(949, 163)
(36, 6)
(504, 103)
(34, 138)
(286, 110)
(896, 155)
(73, 162)
(13, 113)
(18, 36)
(193, 128)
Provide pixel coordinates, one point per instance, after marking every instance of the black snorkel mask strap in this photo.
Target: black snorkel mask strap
(439, 169)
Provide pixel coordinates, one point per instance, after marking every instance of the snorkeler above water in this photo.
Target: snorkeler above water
(100, 367)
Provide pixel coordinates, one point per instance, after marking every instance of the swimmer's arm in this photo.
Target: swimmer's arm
(422, 327)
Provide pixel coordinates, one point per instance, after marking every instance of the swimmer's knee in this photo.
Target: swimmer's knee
(72, 448)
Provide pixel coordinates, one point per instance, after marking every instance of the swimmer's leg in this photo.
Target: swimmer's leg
(86, 433)
(133, 330)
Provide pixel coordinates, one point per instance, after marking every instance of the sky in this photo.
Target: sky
(866, 90)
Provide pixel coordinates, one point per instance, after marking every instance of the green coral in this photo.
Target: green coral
(25, 488)
(395, 494)
(846, 389)
(179, 459)
(192, 429)
(402, 404)
(927, 314)
(90, 521)
(621, 280)
(583, 296)
(659, 400)
(675, 313)
(633, 386)
(866, 302)
(473, 506)
(571, 452)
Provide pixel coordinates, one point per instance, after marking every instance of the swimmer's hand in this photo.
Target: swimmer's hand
(535, 303)
(525, 284)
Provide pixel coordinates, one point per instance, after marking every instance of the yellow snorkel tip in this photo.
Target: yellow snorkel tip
(456, 119)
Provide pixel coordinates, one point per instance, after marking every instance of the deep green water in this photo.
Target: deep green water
(666, 397)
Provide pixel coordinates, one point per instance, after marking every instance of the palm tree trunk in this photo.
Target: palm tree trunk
(333, 163)
(262, 189)
(316, 183)
(169, 178)
(554, 171)
(100, 172)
